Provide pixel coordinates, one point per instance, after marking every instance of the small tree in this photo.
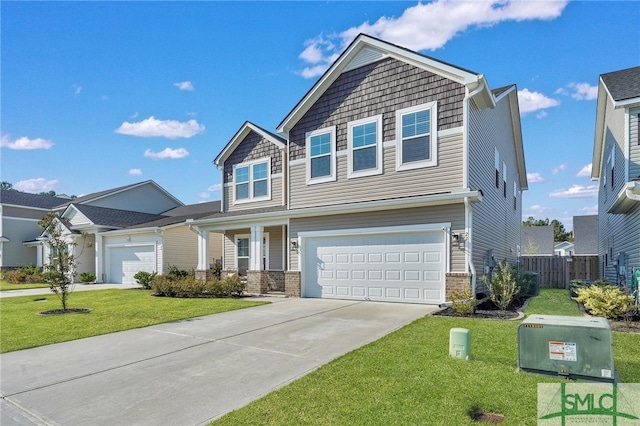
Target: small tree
(59, 272)
(504, 286)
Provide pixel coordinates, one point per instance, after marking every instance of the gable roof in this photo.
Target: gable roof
(25, 199)
(622, 88)
(585, 234)
(247, 128)
(537, 240)
(366, 49)
(112, 218)
(623, 85)
(511, 93)
(109, 192)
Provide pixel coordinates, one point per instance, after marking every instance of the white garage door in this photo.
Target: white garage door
(401, 267)
(125, 262)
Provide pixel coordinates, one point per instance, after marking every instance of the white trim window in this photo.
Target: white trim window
(252, 181)
(364, 142)
(321, 155)
(416, 136)
(504, 180)
(497, 156)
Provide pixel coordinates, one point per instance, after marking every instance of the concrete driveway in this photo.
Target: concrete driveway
(188, 372)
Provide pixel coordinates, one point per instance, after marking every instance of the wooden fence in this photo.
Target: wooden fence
(559, 271)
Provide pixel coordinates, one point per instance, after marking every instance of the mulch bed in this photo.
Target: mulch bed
(487, 309)
(68, 311)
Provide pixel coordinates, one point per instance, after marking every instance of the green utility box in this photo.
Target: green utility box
(572, 347)
(459, 343)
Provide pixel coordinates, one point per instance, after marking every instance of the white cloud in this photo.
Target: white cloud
(152, 127)
(576, 191)
(135, 172)
(534, 177)
(427, 26)
(585, 171)
(36, 185)
(560, 168)
(25, 143)
(76, 89)
(215, 187)
(167, 153)
(583, 91)
(534, 101)
(184, 85)
(204, 195)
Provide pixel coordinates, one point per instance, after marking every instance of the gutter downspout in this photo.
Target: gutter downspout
(468, 245)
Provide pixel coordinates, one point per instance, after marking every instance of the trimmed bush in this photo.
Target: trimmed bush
(463, 302)
(169, 285)
(604, 300)
(144, 278)
(87, 277)
(24, 275)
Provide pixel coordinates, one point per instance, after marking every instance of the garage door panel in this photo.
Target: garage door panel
(403, 266)
(125, 262)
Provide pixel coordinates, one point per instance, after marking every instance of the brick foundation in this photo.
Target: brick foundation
(257, 282)
(204, 274)
(456, 281)
(292, 283)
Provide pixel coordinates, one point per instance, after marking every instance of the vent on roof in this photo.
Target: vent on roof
(366, 56)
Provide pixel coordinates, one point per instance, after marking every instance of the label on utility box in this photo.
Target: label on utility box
(562, 351)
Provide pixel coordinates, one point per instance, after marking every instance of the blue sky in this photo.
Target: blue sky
(101, 94)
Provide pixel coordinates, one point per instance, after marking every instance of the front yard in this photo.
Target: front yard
(408, 377)
(112, 310)
(5, 285)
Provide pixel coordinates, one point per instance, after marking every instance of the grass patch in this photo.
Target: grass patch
(553, 301)
(112, 310)
(4, 285)
(408, 378)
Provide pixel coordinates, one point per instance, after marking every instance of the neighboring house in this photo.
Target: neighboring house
(563, 248)
(20, 213)
(118, 232)
(537, 241)
(397, 177)
(585, 235)
(616, 166)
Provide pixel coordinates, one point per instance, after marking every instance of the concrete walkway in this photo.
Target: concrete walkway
(188, 372)
(76, 287)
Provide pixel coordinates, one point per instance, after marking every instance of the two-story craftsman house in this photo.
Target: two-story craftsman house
(397, 177)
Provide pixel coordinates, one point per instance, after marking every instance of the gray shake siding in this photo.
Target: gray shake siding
(254, 147)
(444, 177)
(453, 214)
(378, 88)
(496, 224)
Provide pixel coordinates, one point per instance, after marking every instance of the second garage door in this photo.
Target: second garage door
(125, 262)
(400, 266)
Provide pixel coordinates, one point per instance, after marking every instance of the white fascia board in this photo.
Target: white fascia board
(246, 128)
(18, 206)
(627, 103)
(448, 71)
(514, 108)
(601, 108)
(378, 205)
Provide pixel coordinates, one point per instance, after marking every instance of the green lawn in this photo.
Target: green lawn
(408, 378)
(4, 285)
(112, 310)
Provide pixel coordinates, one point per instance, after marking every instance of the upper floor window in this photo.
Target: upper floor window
(321, 155)
(515, 195)
(416, 136)
(251, 181)
(365, 146)
(611, 163)
(504, 180)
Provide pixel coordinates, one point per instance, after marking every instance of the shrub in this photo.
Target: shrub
(24, 274)
(504, 286)
(463, 302)
(604, 300)
(179, 273)
(217, 270)
(87, 277)
(168, 285)
(144, 278)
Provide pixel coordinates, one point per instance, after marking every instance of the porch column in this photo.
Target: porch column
(99, 262)
(203, 250)
(39, 249)
(255, 254)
